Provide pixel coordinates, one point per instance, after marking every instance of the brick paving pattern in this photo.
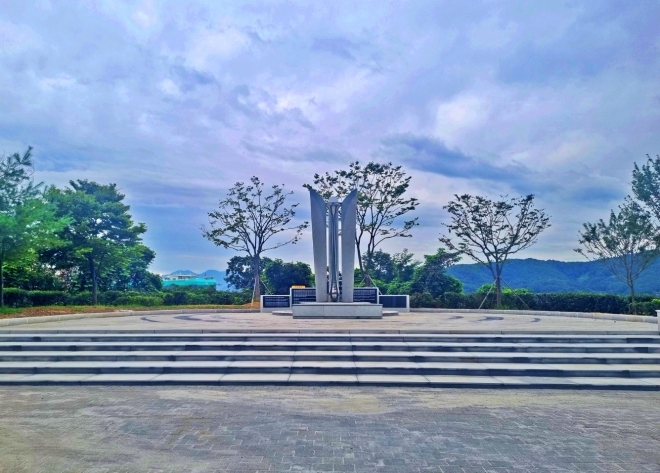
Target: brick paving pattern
(278, 429)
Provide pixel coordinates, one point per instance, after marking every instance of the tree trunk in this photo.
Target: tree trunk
(2, 284)
(366, 272)
(498, 292)
(359, 256)
(632, 298)
(256, 293)
(92, 273)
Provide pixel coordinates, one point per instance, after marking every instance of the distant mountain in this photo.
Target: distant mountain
(557, 276)
(213, 273)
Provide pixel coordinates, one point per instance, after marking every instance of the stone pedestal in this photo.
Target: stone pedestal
(337, 310)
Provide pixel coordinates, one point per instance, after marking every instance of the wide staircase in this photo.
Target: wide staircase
(478, 360)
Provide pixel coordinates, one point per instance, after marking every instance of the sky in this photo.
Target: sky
(177, 101)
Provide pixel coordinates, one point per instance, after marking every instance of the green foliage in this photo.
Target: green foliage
(490, 288)
(569, 302)
(101, 240)
(490, 231)
(432, 278)
(649, 308)
(280, 276)
(140, 300)
(240, 271)
(626, 245)
(248, 218)
(22, 298)
(380, 208)
(27, 222)
(646, 184)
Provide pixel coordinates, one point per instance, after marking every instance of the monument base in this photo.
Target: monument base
(337, 310)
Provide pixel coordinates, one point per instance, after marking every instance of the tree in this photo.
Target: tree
(490, 231)
(404, 265)
(247, 219)
(280, 276)
(626, 245)
(381, 205)
(240, 271)
(27, 221)
(382, 266)
(132, 273)
(646, 185)
(432, 277)
(101, 235)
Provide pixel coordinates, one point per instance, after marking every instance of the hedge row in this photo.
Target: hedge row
(22, 298)
(563, 302)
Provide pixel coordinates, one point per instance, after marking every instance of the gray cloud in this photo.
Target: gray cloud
(178, 101)
(431, 155)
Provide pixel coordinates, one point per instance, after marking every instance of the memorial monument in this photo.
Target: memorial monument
(334, 294)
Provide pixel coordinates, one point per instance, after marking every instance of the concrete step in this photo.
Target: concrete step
(441, 381)
(539, 360)
(169, 346)
(334, 367)
(333, 355)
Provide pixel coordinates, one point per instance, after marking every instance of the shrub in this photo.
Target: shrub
(176, 298)
(648, 308)
(556, 302)
(423, 300)
(16, 297)
(40, 298)
(82, 298)
(139, 300)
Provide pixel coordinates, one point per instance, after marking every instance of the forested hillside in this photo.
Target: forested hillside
(557, 276)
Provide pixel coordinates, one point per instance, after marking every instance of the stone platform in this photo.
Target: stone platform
(337, 310)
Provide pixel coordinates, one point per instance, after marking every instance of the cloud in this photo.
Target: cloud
(176, 101)
(338, 46)
(431, 155)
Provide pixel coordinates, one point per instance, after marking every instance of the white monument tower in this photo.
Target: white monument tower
(326, 246)
(333, 221)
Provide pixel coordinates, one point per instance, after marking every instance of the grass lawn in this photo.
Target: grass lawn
(7, 312)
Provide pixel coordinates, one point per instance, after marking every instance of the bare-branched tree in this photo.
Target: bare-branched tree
(248, 218)
(626, 245)
(490, 231)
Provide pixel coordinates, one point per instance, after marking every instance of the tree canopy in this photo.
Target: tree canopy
(490, 231)
(431, 277)
(280, 276)
(646, 185)
(248, 219)
(382, 204)
(101, 237)
(626, 245)
(27, 221)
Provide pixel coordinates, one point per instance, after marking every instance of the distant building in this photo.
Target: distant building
(188, 280)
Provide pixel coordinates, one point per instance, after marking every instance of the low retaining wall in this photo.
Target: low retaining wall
(583, 315)
(119, 313)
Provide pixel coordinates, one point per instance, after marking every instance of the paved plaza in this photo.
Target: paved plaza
(134, 429)
(416, 321)
(261, 429)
